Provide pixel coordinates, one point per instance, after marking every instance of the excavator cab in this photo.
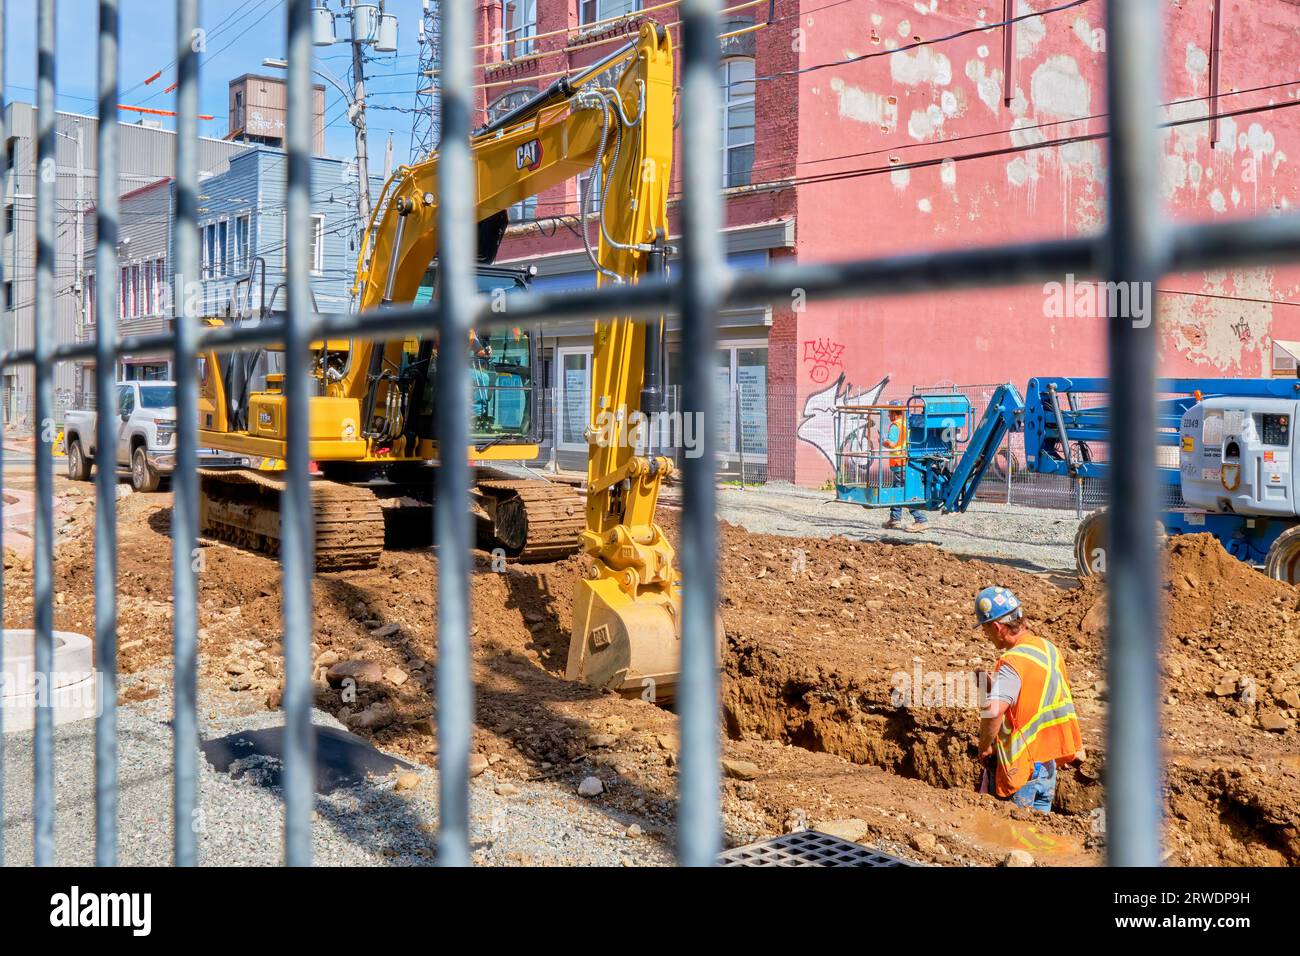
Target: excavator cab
(503, 367)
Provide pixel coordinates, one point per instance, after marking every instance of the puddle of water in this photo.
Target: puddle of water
(1019, 835)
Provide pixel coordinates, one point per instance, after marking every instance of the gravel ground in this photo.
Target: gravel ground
(1032, 539)
(241, 821)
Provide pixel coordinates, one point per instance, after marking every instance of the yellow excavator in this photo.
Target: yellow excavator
(372, 414)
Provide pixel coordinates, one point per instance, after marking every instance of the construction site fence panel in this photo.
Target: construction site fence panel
(1137, 245)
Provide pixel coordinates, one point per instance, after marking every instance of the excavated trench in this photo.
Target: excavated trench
(766, 696)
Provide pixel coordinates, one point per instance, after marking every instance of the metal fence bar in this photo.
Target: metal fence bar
(106, 236)
(1260, 241)
(1133, 255)
(455, 700)
(296, 519)
(699, 820)
(185, 482)
(43, 333)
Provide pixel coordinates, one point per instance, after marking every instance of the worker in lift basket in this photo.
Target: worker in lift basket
(896, 438)
(1028, 723)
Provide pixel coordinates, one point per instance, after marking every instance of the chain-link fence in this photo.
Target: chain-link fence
(1013, 480)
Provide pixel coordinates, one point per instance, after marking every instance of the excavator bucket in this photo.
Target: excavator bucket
(629, 645)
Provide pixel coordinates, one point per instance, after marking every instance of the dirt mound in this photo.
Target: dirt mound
(825, 639)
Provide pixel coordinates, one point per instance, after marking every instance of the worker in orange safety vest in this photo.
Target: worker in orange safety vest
(1028, 723)
(895, 439)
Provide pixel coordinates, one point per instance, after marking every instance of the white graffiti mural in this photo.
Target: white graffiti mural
(818, 425)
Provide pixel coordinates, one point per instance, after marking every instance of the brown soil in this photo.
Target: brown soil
(819, 636)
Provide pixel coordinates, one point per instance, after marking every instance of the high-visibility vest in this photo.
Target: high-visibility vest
(892, 442)
(1041, 724)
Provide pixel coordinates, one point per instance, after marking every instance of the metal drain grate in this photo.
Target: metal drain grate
(807, 848)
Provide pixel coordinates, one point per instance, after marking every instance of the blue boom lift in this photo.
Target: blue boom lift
(1227, 457)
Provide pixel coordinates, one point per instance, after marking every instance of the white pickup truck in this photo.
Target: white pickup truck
(146, 434)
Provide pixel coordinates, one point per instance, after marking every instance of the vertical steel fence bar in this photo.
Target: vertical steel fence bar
(43, 334)
(1133, 257)
(105, 305)
(455, 700)
(5, 343)
(296, 522)
(699, 823)
(185, 482)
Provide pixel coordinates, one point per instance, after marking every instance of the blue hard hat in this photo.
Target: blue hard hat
(993, 604)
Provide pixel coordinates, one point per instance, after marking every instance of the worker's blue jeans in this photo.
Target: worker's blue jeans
(900, 480)
(1037, 794)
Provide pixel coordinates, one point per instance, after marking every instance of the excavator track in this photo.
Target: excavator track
(533, 519)
(242, 507)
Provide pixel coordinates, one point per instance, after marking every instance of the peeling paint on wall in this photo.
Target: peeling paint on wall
(1094, 38)
(1029, 33)
(922, 67)
(948, 172)
(1226, 333)
(1058, 89)
(988, 86)
(1197, 63)
(863, 106)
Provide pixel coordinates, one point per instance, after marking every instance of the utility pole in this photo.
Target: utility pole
(357, 114)
(370, 26)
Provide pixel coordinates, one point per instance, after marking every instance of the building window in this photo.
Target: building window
(144, 372)
(241, 245)
(594, 10)
(146, 289)
(223, 248)
(318, 244)
(124, 285)
(135, 292)
(737, 121)
(527, 209)
(518, 26)
(208, 255)
(588, 203)
(741, 413)
(575, 397)
(159, 286)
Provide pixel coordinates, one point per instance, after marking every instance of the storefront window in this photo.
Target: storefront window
(575, 398)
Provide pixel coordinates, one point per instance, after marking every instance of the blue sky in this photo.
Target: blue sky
(240, 34)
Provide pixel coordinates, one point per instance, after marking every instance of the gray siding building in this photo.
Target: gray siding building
(241, 219)
(146, 156)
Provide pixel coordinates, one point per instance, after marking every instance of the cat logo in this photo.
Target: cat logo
(529, 155)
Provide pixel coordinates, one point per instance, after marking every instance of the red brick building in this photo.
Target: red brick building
(869, 127)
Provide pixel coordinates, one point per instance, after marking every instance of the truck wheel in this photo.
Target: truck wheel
(78, 464)
(1283, 561)
(1090, 542)
(143, 477)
